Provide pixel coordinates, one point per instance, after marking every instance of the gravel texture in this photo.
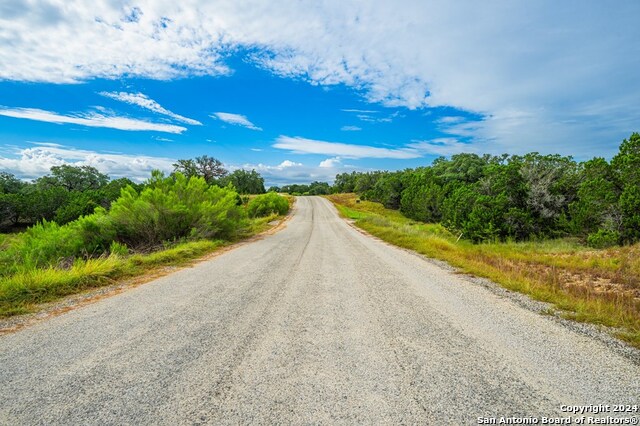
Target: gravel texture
(316, 324)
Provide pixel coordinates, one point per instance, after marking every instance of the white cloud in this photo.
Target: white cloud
(235, 119)
(361, 111)
(569, 67)
(31, 163)
(442, 146)
(289, 172)
(145, 102)
(300, 145)
(330, 162)
(450, 119)
(90, 120)
(350, 128)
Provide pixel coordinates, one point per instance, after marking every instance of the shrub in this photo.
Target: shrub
(118, 249)
(41, 245)
(266, 204)
(603, 238)
(174, 208)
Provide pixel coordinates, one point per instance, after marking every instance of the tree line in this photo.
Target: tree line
(69, 192)
(487, 198)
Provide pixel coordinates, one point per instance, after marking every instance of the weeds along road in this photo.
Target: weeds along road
(314, 324)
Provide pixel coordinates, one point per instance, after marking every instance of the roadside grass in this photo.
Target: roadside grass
(22, 291)
(583, 284)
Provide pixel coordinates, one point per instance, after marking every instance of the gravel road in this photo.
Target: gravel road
(316, 324)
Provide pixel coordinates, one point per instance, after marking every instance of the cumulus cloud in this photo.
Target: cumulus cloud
(300, 145)
(330, 162)
(235, 119)
(90, 120)
(31, 163)
(569, 68)
(145, 102)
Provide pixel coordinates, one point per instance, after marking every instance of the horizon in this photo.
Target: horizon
(302, 93)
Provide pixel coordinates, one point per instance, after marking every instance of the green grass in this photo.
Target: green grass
(560, 272)
(22, 291)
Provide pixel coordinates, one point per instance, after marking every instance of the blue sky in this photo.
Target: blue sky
(301, 92)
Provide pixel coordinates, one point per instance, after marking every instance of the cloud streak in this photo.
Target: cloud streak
(90, 120)
(235, 119)
(143, 101)
(300, 145)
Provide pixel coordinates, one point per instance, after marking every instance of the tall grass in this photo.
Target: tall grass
(560, 272)
(20, 292)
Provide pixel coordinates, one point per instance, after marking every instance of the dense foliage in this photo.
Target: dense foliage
(140, 218)
(244, 181)
(267, 204)
(503, 197)
(314, 188)
(62, 196)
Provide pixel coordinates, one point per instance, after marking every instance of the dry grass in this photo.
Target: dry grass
(595, 286)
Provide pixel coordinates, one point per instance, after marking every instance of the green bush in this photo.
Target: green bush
(266, 204)
(175, 208)
(603, 238)
(41, 245)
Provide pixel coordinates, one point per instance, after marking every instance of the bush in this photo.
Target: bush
(266, 204)
(175, 208)
(41, 245)
(603, 238)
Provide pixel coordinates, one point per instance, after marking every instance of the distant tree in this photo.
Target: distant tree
(365, 182)
(463, 168)
(208, 168)
(345, 182)
(73, 178)
(319, 188)
(296, 189)
(245, 182)
(9, 184)
(274, 189)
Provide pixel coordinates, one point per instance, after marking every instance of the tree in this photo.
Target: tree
(422, 197)
(552, 184)
(319, 188)
(387, 190)
(9, 184)
(73, 178)
(10, 198)
(245, 182)
(345, 182)
(626, 166)
(596, 205)
(208, 168)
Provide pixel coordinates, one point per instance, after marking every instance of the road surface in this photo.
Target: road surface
(316, 324)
